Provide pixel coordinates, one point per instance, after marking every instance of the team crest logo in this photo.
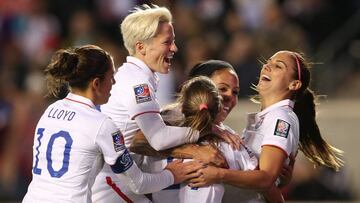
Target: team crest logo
(142, 93)
(118, 141)
(282, 128)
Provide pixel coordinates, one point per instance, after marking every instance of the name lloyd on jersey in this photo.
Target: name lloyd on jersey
(61, 114)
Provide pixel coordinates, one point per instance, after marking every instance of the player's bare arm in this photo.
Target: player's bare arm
(207, 154)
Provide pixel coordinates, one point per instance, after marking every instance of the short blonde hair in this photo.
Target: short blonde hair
(142, 23)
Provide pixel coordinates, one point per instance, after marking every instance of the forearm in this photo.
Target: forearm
(140, 145)
(161, 136)
(254, 179)
(143, 183)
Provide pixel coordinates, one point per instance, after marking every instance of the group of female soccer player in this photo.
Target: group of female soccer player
(82, 141)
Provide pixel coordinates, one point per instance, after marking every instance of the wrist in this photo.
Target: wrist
(221, 174)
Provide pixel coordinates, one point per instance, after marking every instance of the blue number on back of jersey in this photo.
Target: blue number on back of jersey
(67, 148)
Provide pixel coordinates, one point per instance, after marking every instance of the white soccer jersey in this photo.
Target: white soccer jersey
(72, 140)
(133, 94)
(278, 126)
(242, 159)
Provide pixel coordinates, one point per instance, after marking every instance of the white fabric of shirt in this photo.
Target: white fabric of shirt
(242, 159)
(261, 127)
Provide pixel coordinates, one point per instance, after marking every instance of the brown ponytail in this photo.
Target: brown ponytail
(200, 102)
(75, 67)
(314, 147)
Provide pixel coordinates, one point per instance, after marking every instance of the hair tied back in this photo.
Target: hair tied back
(203, 106)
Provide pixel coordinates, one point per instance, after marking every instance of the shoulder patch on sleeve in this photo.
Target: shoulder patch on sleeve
(123, 163)
(282, 128)
(142, 93)
(118, 141)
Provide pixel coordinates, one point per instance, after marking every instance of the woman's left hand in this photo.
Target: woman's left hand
(286, 172)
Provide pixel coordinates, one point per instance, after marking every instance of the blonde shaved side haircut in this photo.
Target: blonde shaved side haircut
(142, 24)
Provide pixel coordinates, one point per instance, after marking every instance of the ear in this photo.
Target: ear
(95, 84)
(295, 85)
(140, 48)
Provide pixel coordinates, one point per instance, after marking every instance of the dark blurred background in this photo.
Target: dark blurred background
(242, 32)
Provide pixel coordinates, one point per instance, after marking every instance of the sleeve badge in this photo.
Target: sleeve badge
(118, 141)
(282, 128)
(142, 93)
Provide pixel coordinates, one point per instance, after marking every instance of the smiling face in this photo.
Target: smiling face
(227, 82)
(158, 51)
(277, 78)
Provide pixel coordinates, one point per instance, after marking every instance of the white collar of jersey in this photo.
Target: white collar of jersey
(140, 64)
(286, 102)
(80, 100)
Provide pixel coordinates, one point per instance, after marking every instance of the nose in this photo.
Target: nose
(267, 66)
(173, 47)
(228, 97)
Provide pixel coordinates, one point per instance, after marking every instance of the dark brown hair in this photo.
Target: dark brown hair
(314, 147)
(74, 68)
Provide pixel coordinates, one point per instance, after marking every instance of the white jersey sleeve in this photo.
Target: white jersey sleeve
(111, 143)
(161, 136)
(281, 131)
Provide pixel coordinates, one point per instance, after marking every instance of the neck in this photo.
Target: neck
(86, 94)
(268, 101)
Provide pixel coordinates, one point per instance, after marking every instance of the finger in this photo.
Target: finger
(292, 160)
(236, 140)
(176, 161)
(199, 184)
(193, 167)
(193, 175)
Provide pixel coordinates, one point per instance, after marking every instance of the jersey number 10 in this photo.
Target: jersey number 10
(67, 148)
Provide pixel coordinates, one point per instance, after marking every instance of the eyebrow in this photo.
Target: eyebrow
(227, 85)
(282, 62)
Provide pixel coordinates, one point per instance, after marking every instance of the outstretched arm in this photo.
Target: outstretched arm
(142, 183)
(206, 154)
(270, 164)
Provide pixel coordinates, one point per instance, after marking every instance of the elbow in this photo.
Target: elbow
(266, 183)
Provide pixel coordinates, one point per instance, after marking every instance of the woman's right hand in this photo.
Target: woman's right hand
(184, 171)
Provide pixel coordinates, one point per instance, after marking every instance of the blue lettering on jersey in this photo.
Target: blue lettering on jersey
(123, 163)
(61, 114)
(118, 141)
